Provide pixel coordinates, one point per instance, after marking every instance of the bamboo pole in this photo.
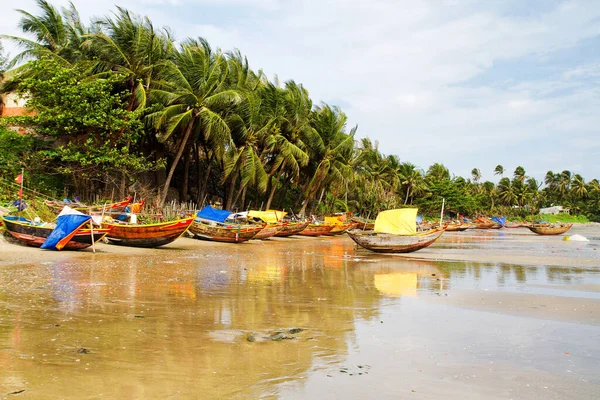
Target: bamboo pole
(367, 221)
(442, 213)
(92, 234)
(102, 217)
(20, 207)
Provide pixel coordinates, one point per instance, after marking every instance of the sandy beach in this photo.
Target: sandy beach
(480, 314)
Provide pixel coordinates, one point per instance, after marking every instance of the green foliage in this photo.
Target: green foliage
(15, 152)
(20, 151)
(3, 61)
(456, 200)
(87, 129)
(563, 217)
(67, 104)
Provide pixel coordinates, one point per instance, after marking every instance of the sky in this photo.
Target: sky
(470, 84)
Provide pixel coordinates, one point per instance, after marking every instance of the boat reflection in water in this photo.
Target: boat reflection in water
(173, 323)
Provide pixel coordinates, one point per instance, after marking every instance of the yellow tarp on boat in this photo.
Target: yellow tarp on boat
(335, 220)
(270, 216)
(401, 221)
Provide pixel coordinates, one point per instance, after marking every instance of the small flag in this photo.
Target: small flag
(19, 178)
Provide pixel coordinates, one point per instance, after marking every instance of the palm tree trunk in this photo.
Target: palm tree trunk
(274, 188)
(303, 190)
(183, 190)
(283, 197)
(205, 180)
(198, 172)
(321, 197)
(303, 209)
(407, 193)
(184, 141)
(346, 193)
(228, 203)
(122, 185)
(158, 173)
(243, 204)
(237, 196)
(309, 197)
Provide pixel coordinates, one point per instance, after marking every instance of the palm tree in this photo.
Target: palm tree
(578, 187)
(564, 184)
(506, 194)
(330, 151)
(551, 180)
(521, 193)
(131, 46)
(594, 186)
(54, 34)
(499, 170)
(194, 97)
(437, 172)
(3, 66)
(490, 190)
(250, 129)
(378, 174)
(519, 174)
(292, 111)
(476, 175)
(412, 181)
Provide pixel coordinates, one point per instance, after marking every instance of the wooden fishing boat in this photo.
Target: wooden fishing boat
(111, 208)
(269, 230)
(340, 229)
(457, 227)
(511, 225)
(316, 230)
(545, 229)
(31, 234)
(231, 233)
(482, 225)
(147, 235)
(57, 206)
(364, 225)
(391, 243)
(292, 228)
(395, 232)
(488, 223)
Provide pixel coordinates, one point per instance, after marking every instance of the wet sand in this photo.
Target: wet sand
(480, 314)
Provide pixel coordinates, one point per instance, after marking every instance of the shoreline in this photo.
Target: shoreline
(13, 253)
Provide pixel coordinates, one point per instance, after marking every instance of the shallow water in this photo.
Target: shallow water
(175, 322)
(522, 241)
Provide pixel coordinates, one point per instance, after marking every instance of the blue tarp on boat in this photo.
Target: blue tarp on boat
(69, 221)
(419, 219)
(212, 214)
(500, 220)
